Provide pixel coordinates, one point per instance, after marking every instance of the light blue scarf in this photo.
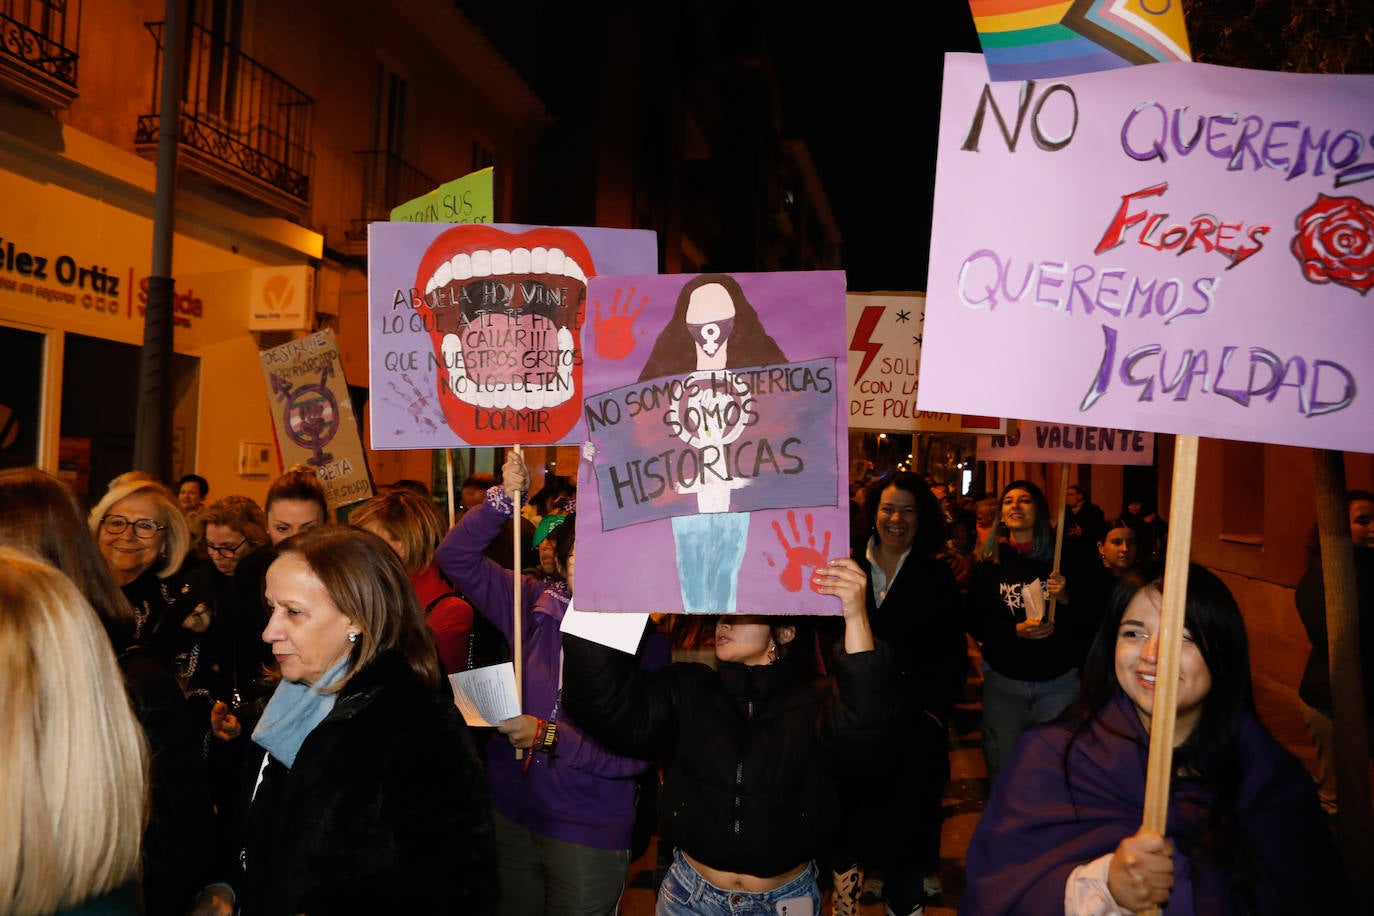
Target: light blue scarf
(293, 712)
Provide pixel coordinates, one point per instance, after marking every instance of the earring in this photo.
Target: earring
(352, 637)
(772, 651)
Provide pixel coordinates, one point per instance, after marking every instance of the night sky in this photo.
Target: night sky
(862, 86)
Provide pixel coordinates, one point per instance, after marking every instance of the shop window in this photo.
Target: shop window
(21, 396)
(100, 411)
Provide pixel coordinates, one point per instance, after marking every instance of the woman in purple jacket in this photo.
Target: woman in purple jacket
(1061, 833)
(565, 811)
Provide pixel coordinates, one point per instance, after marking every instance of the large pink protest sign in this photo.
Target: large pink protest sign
(1174, 247)
(475, 331)
(715, 412)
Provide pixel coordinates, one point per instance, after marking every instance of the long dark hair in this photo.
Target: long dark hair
(1211, 752)
(674, 351)
(930, 521)
(1042, 541)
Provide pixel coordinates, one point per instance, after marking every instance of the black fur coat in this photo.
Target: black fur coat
(384, 811)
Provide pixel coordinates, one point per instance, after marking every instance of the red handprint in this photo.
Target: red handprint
(615, 333)
(800, 555)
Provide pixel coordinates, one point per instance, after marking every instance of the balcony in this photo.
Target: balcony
(38, 56)
(242, 127)
(388, 180)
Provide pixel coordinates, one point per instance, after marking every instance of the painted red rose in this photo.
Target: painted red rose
(1335, 242)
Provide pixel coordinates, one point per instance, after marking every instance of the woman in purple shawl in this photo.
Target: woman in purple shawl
(1061, 831)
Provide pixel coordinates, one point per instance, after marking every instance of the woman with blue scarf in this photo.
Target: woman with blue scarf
(369, 796)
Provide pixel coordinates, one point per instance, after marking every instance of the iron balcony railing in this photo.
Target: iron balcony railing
(237, 113)
(38, 40)
(388, 180)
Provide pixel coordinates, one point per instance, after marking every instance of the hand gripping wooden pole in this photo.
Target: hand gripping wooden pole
(1059, 533)
(1170, 645)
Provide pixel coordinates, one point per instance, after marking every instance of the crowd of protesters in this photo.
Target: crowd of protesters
(265, 722)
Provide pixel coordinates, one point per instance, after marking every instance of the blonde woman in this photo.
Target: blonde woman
(143, 536)
(75, 777)
(40, 513)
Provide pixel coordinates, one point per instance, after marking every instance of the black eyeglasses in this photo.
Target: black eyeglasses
(225, 551)
(144, 528)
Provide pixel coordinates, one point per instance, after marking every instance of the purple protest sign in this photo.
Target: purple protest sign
(1176, 248)
(715, 417)
(475, 331)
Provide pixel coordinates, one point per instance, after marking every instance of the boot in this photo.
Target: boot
(849, 886)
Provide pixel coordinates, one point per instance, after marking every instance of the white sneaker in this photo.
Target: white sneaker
(918, 910)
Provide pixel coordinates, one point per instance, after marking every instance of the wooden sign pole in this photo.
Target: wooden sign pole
(448, 469)
(518, 618)
(1059, 532)
(1170, 644)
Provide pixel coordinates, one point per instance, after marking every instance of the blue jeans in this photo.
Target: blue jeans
(1011, 706)
(685, 892)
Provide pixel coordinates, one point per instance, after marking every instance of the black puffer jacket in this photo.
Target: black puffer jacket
(384, 811)
(755, 750)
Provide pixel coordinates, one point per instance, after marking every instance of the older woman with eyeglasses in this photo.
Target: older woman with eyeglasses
(142, 534)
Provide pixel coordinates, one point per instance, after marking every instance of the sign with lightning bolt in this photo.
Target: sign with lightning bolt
(884, 332)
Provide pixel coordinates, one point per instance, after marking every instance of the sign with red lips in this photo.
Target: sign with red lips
(478, 341)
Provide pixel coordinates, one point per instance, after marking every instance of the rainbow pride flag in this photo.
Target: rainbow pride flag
(1035, 39)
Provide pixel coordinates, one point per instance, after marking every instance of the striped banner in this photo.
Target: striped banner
(1035, 39)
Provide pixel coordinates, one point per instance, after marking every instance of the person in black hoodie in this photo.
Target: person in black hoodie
(1030, 663)
(749, 797)
(1315, 691)
(916, 609)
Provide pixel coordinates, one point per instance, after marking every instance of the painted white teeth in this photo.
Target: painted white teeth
(462, 266)
(502, 262)
(552, 262)
(453, 359)
(531, 396)
(565, 369)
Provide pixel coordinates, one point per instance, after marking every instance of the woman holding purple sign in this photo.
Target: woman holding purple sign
(564, 810)
(758, 747)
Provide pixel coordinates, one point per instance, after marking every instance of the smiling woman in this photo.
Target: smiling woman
(141, 531)
(1061, 833)
(1030, 661)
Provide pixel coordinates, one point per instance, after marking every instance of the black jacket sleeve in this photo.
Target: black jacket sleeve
(628, 710)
